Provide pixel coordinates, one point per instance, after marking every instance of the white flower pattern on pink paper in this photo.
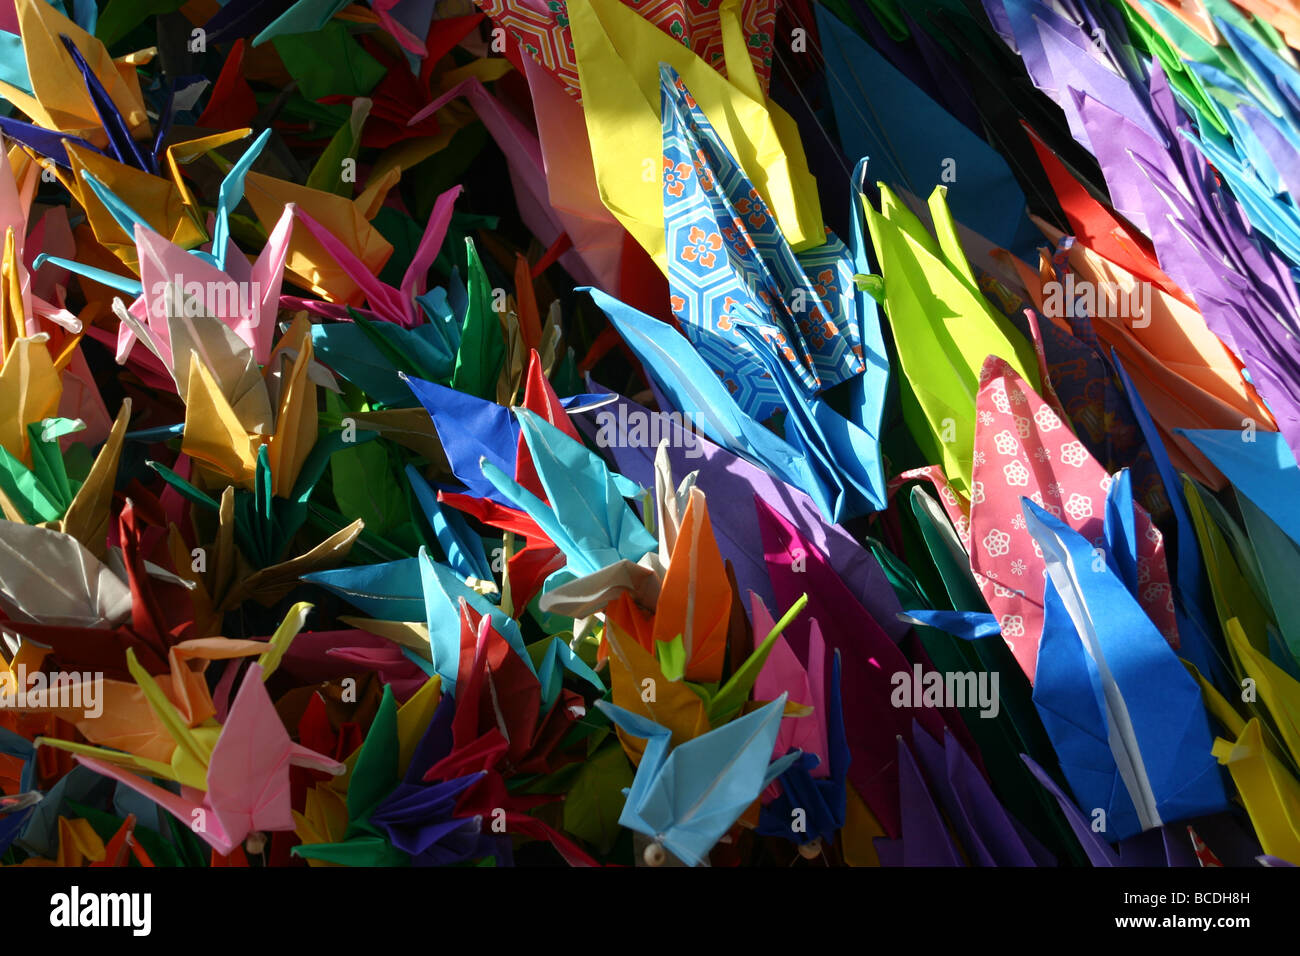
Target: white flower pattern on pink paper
(1079, 506)
(997, 543)
(1047, 419)
(1048, 462)
(1074, 454)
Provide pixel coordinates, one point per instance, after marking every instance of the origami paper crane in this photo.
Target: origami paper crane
(234, 778)
(1023, 449)
(377, 768)
(403, 305)
(617, 52)
(410, 818)
(811, 805)
(1161, 182)
(58, 98)
(46, 493)
(1269, 791)
(473, 429)
(542, 32)
(935, 309)
(347, 221)
(126, 720)
(730, 483)
(826, 455)
(684, 587)
(587, 517)
(730, 266)
(687, 798)
(95, 618)
(1183, 373)
(499, 728)
(176, 283)
(1095, 671)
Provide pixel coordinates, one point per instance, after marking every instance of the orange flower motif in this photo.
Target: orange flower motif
(726, 321)
(675, 177)
(677, 303)
(701, 247)
(741, 233)
(825, 284)
(686, 96)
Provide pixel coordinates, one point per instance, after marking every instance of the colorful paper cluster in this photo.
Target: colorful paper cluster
(688, 432)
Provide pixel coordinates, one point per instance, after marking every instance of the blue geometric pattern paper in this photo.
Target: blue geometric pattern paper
(729, 265)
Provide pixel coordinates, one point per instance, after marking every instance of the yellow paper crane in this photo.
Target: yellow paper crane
(29, 392)
(229, 413)
(618, 54)
(59, 99)
(348, 220)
